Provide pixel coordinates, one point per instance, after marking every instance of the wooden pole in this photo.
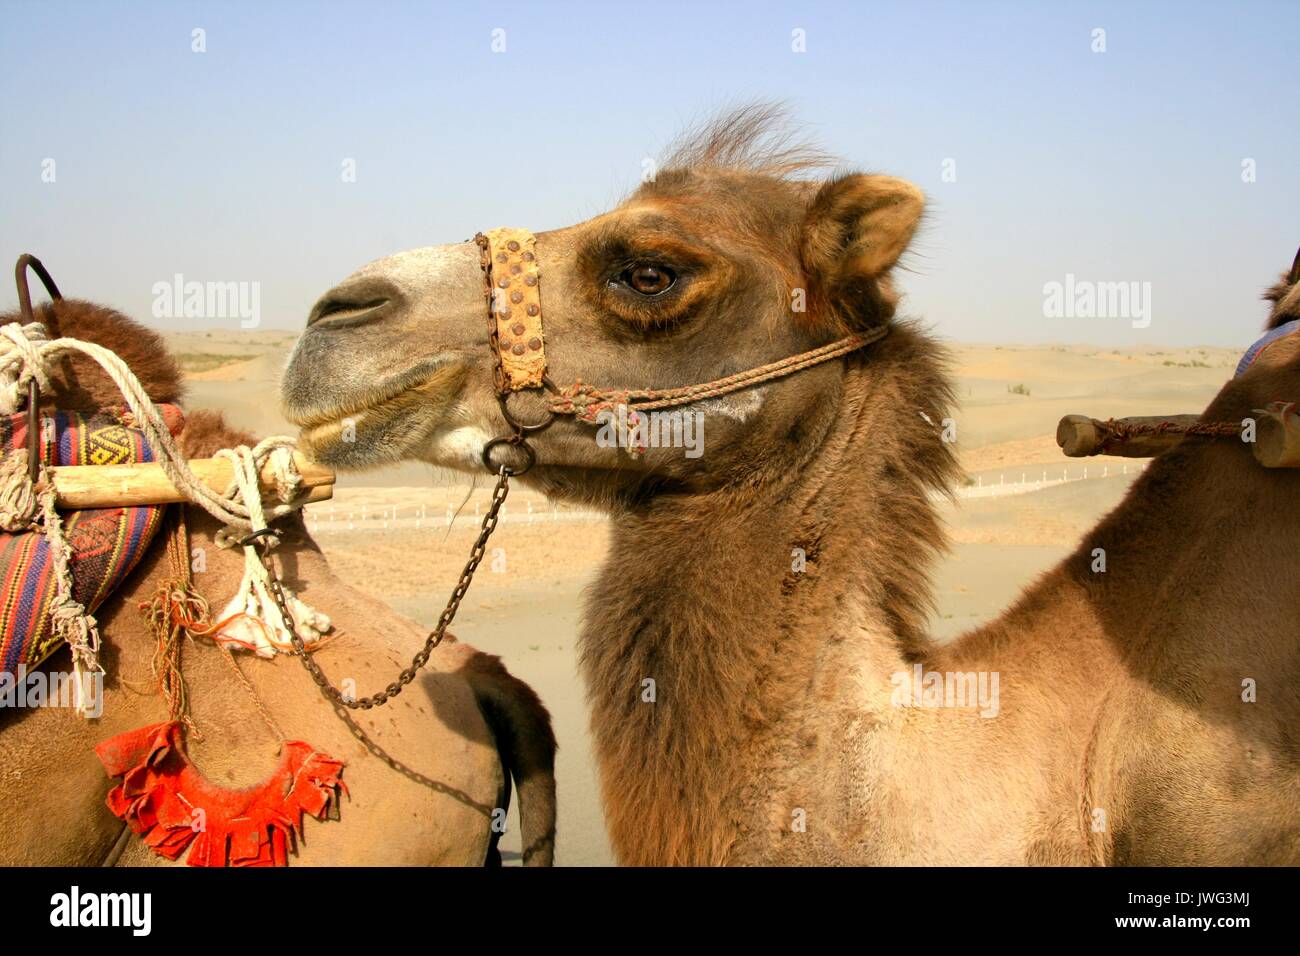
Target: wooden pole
(1277, 437)
(1080, 436)
(105, 486)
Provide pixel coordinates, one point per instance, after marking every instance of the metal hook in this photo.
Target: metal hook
(26, 315)
(250, 538)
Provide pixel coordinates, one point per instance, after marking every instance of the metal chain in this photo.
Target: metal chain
(435, 636)
(504, 472)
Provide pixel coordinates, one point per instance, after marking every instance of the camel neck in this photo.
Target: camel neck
(715, 616)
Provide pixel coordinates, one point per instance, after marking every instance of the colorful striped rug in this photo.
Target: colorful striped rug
(106, 543)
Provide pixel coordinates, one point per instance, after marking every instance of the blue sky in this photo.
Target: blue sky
(226, 165)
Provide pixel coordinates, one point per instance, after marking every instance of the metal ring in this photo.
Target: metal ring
(530, 456)
(503, 399)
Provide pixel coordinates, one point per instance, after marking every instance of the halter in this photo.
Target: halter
(513, 290)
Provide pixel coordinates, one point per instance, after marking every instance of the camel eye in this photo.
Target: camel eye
(649, 279)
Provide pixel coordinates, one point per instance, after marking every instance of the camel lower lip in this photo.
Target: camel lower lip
(389, 424)
(331, 421)
(441, 371)
(357, 417)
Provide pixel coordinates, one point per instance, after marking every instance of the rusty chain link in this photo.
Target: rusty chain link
(504, 472)
(435, 636)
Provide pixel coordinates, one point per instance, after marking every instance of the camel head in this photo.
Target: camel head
(729, 258)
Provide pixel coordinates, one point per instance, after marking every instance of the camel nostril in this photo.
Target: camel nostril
(352, 306)
(336, 311)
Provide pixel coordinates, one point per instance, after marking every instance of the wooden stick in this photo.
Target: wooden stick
(105, 486)
(1277, 436)
(1080, 436)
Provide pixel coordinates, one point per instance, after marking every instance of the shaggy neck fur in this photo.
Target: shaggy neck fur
(715, 616)
(765, 678)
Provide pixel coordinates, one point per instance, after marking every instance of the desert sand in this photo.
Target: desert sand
(403, 534)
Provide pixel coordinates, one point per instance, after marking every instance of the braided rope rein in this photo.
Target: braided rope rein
(584, 402)
(587, 402)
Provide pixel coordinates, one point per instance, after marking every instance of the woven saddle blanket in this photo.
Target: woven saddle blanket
(106, 543)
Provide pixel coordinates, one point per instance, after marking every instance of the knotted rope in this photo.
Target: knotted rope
(18, 500)
(26, 353)
(175, 610)
(24, 508)
(253, 621)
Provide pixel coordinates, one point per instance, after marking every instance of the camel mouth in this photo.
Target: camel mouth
(311, 413)
(387, 425)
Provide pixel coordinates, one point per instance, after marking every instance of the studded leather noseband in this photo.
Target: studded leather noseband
(514, 307)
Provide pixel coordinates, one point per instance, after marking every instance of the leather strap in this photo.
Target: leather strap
(510, 262)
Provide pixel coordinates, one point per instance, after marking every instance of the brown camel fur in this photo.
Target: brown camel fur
(775, 589)
(1285, 296)
(424, 773)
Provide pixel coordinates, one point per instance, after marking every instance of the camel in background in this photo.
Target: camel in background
(424, 773)
(751, 708)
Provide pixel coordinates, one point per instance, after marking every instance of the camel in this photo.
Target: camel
(750, 644)
(425, 774)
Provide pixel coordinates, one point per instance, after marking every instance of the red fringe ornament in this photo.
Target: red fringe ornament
(166, 800)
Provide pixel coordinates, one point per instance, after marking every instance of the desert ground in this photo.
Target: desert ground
(1022, 509)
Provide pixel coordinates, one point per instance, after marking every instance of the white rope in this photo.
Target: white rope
(22, 508)
(68, 616)
(26, 352)
(253, 601)
(18, 502)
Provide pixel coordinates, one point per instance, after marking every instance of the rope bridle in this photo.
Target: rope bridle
(512, 287)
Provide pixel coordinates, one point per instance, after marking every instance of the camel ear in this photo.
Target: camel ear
(1294, 276)
(854, 231)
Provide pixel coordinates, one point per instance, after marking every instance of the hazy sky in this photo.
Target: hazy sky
(228, 165)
